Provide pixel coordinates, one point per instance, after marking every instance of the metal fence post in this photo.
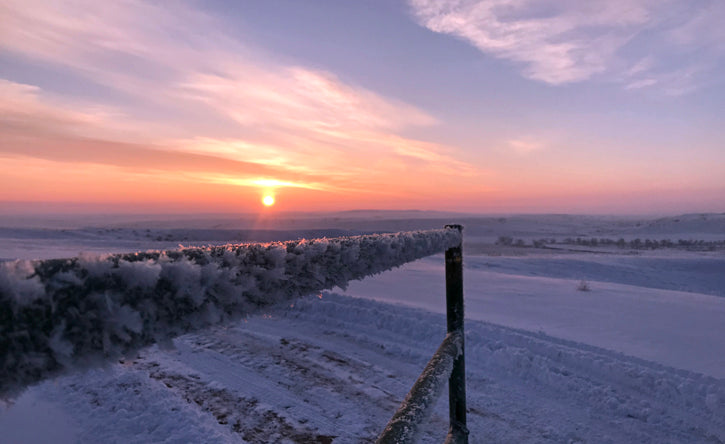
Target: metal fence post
(458, 432)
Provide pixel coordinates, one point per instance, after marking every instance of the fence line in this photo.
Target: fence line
(418, 403)
(448, 363)
(65, 314)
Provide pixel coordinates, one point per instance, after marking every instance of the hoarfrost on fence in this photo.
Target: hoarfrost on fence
(63, 314)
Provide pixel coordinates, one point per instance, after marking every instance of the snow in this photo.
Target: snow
(681, 329)
(338, 367)
(19, 424)
(639, 358)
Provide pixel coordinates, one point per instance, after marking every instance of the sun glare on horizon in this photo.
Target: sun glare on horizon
(268, 200)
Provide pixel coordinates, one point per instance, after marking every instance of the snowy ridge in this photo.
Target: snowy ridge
(62, 314)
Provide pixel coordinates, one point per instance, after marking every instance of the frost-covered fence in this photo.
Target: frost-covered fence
(446, 365)
(64, 314)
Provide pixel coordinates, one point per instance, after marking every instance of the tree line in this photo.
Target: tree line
(633, 244)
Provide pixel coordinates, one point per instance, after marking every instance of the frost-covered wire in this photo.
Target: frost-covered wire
(62, 314)
(418, 404)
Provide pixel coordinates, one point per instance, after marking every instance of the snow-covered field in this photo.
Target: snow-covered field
(638, 358)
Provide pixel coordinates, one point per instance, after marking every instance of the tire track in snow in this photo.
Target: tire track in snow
(532, 387)
(248, 417)
(337, 367)
(322, 388)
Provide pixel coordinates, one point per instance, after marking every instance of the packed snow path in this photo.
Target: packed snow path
(334, 369)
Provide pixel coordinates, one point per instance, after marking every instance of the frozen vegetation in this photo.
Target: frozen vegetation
(638, 358)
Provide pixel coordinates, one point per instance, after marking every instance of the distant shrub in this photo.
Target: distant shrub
(646, 244)
(583, 286)
(505, 240)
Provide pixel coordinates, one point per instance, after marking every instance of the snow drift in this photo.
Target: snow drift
(63, 314)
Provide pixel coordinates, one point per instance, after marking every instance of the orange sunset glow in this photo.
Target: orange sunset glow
(201, 112)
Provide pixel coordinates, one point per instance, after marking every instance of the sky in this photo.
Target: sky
(485, 106)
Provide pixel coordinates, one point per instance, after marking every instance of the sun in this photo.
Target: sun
(268, 200)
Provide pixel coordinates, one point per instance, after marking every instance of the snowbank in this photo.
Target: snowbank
(62, 314)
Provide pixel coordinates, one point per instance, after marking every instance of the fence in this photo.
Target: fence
(66, 314)
(448, 363)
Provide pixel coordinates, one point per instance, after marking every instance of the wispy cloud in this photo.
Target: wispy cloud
(216, 97)
(33, 126)
(264, 183)
(559, 42)
(294, 97)
(641, 83)
(23, 105)
(525, 146)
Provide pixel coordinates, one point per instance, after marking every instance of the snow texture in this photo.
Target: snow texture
(336, 368)
(62, 314)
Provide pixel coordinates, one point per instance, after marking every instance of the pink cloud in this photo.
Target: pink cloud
(559, 42)
(287, 119)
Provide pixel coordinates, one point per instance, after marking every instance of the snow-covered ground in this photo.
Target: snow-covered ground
(637, 317)
(639, 358)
